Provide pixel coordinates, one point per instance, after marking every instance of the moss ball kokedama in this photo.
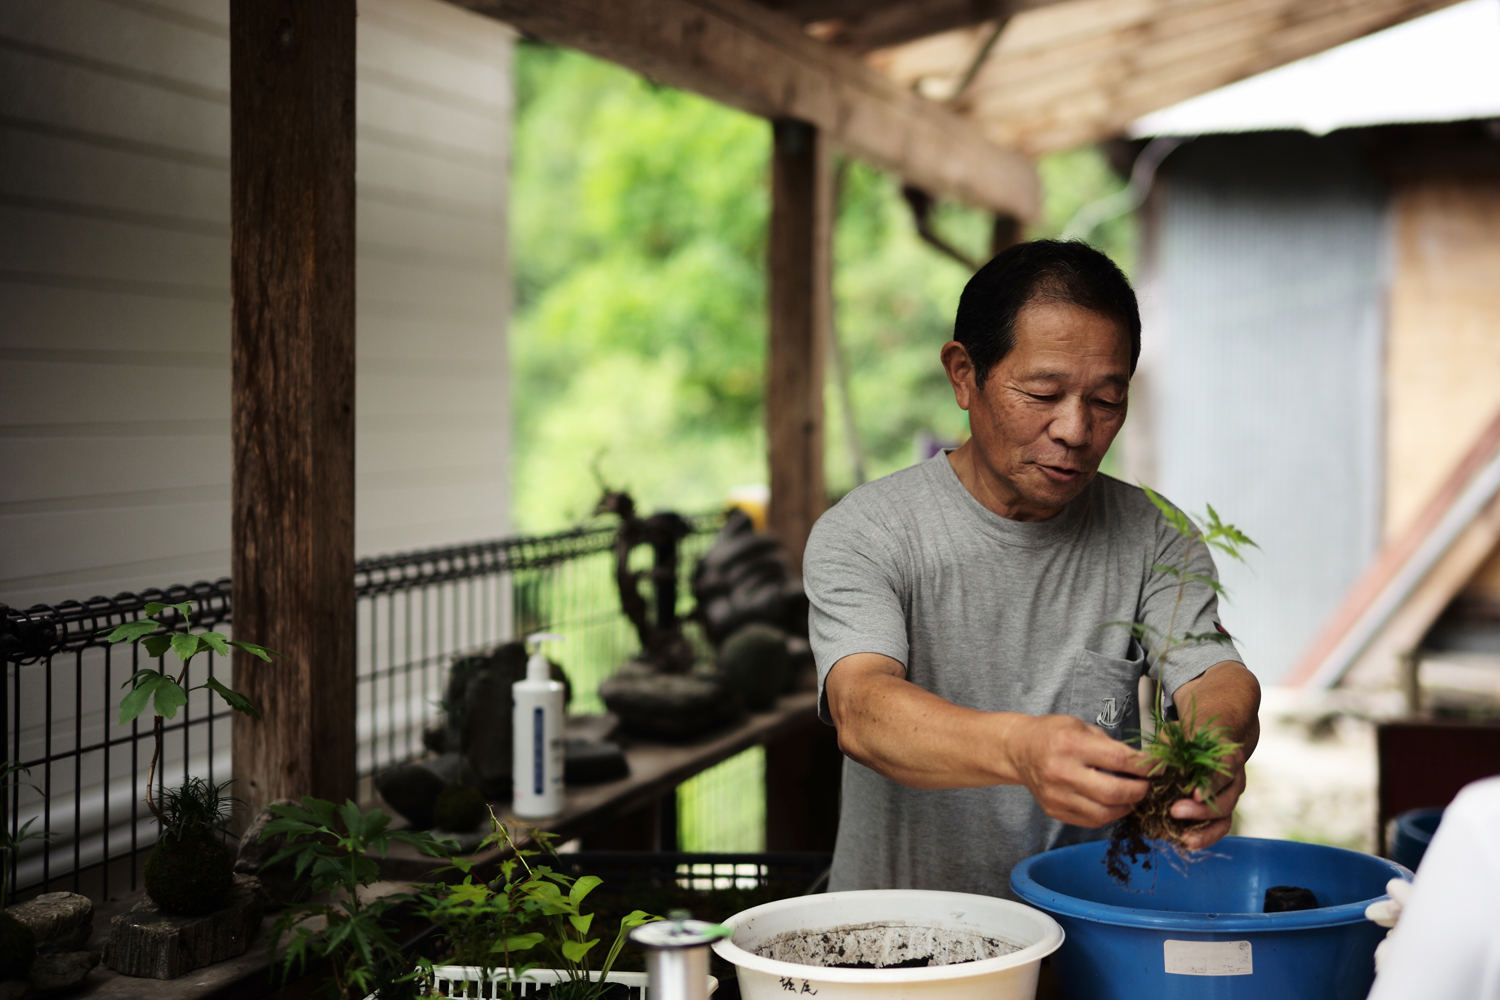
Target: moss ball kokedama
(1186, 758)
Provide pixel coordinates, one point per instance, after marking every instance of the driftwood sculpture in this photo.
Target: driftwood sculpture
(663, 646)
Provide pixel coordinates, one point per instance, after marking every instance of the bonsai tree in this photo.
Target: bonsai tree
(192, 821)
(1186, 757)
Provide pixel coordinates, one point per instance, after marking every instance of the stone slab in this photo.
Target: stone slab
(146, 942)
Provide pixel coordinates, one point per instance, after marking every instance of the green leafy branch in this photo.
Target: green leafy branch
(1194, 754)
(9, 843)
(165, 693)
(332, 847)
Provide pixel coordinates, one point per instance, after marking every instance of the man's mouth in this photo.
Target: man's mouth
(1060, 473)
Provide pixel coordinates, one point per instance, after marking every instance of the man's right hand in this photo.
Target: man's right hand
(1075, 771)
(915, 738)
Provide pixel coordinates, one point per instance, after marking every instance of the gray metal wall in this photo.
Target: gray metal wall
(1264, 360)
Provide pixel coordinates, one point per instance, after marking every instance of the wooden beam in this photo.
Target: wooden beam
(292, 263)
(800, 309)
(760, 61)
(886, 25)
(1084, 70)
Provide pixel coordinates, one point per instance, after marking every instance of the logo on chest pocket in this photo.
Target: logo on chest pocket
(1114, 711)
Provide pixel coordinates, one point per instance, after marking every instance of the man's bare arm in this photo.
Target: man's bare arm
(1229, 694)
(915, 738)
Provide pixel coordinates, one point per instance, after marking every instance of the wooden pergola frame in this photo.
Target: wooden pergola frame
(292, 180)
(1033, 73)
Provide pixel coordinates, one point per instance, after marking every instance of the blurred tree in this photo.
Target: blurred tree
(638, 222)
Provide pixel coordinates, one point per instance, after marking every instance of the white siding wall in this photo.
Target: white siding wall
(114, 288)
(114, 321)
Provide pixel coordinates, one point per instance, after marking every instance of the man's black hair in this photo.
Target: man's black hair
(1062, 271)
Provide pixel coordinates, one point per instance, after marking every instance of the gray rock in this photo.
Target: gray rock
(55, 916)
(412, 789)
(61, 970)
(667, 706)
(144, 941)
(279, 881)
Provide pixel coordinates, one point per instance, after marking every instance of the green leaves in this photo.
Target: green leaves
(520, 942)
(130, 631)
(253, 649)
(166, 695)
(232, 698)
(574, 951)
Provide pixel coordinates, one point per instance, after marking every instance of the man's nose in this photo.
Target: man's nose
(1070, 424)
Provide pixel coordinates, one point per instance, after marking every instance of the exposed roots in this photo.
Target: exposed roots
(1150, 824)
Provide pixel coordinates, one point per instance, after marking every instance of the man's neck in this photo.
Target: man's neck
(993, 490)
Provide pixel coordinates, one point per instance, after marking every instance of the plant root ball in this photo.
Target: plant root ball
(1150, 820)
(460, 808)
(192, 876)
(756, 664)
(17, 948)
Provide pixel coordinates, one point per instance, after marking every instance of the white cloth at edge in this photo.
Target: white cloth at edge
(1447, 945)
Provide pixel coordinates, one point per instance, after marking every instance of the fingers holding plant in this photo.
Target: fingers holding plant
(1076, 773)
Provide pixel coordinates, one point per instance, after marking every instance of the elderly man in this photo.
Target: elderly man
(966, 612)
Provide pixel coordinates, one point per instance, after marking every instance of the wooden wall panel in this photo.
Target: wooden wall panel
(1443, 360)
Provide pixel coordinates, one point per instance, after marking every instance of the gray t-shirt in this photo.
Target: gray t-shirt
(997, 615)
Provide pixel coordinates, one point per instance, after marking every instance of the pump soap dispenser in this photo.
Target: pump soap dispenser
(537, 734)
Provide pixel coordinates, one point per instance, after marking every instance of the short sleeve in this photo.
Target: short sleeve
(1171, 606)
(855, 592)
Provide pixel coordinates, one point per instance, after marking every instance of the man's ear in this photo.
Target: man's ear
(960, 369)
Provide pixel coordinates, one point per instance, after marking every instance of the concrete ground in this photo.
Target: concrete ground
(1312, 777)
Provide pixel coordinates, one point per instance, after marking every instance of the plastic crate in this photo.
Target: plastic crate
(797, 873)
(487, 984)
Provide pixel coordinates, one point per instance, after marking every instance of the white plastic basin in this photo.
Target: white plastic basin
(912, 915)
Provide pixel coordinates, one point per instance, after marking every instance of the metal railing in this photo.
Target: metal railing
(417, 612)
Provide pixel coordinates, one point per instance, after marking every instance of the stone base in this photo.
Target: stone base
(144, 941)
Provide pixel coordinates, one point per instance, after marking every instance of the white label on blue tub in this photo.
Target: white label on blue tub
(1207, 958)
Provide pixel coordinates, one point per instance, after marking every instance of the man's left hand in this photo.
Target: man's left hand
(1228, 694)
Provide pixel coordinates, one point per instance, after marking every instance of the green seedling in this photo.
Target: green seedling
(530, 916)
(1187, 758)
(334, 848)
(165, 693)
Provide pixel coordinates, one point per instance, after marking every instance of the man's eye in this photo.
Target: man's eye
(1045, 397)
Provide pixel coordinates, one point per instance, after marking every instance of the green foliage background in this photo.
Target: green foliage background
(639, 236)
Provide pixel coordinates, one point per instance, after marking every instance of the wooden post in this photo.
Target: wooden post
(800, 308)
(292, 213)
(804, 776)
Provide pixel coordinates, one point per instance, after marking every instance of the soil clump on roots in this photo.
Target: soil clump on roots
(1150, 820)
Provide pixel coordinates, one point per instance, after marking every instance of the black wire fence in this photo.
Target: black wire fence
(417, 612)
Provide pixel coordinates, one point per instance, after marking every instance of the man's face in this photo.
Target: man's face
(1048, 411)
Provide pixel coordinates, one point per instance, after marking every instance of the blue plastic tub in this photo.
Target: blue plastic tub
(1414, 832)
(1197, 930)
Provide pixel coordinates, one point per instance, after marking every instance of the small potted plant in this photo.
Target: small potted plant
(195, 870)
(191, 871)
(335, 847)
(1186, 757)
(527, 924)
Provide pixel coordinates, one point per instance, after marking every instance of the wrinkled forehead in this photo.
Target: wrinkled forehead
(1055, 337)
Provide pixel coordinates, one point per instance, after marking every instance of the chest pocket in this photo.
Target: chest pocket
(1106, 693)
